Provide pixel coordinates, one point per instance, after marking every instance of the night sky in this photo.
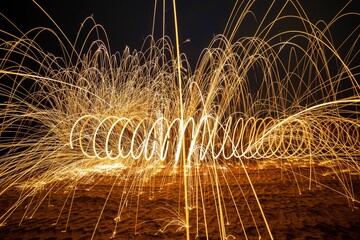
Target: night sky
(127, 23)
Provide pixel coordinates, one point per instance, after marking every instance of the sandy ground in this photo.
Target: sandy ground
(319, 213)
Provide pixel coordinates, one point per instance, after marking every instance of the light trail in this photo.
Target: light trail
(295, 137)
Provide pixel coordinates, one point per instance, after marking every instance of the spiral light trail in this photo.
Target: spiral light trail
(300, 135)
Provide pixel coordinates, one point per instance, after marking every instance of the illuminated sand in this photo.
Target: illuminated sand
(319, 213)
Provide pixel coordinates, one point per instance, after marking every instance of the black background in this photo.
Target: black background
(128, 23)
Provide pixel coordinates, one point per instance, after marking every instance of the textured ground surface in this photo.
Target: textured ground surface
(319, 213)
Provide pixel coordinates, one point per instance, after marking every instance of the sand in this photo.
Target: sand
(291, 209)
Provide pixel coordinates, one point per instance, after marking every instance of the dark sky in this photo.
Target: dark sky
(128, 22)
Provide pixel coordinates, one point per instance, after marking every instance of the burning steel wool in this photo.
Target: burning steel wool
(143, 122)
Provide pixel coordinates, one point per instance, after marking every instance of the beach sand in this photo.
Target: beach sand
(291, 209)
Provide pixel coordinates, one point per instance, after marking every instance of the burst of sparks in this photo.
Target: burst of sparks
(134, 115)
